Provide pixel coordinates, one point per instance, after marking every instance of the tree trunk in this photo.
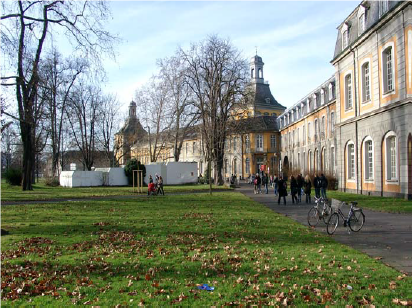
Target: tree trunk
(28, 155)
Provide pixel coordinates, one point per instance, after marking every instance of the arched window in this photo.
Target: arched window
(316, 130)
(247, 166)
(391, 156)
(322, 96)
(368, 159)
(247, 142)
(323, 128)
(387, 70)
(235, 166)
(350, 161)
(260, 73)
(252, 73)
(332, 159)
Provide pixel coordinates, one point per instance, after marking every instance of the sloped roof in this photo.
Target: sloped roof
(255, 125)
(133, 127)
(263, 98)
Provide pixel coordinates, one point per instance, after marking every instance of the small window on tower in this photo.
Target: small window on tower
(260, 73)
(252, 73)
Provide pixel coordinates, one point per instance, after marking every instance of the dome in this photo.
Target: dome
(256, 59)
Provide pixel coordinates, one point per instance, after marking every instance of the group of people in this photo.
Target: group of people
(156, 186)
(299, 185)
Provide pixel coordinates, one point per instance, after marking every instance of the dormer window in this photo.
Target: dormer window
(267, 100)
(322, 96)
(315, 101)
(383, 7)
(361, 19)
(345, 36)
(330, 91)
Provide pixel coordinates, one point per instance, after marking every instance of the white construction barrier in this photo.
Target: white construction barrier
(113, 176)
(173, 173)
(81, 178)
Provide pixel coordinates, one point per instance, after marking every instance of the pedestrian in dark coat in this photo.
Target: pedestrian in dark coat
(317, 183)
(300, 181)
(307, 188)
(294, 189)
(282, 190)
(324, 185)
(265, 181)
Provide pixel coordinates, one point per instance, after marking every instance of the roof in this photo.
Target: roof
(255, 124)
(352, 21)
(133, 127)
(263, 98)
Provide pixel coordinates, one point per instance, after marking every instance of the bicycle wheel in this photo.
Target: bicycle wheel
(327, 211)
(313, 217)
(332, 223)
(356, 221)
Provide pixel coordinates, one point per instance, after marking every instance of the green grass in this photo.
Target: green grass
(382, 204)
(155, 251)
(42, 192)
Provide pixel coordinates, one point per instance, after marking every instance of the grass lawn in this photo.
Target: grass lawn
(382, 204)
(156, 251)
(42, 192)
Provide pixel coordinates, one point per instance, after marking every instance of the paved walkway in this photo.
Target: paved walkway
(385, 236)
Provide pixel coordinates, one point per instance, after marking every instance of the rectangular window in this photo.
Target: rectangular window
(361, 23)
(259, 142)
(332, 122)
(273, 141)
(304, 135)
(234, 144)
(389, 70)
(383, 7)
(351, 161)
(332, 160)
(194, 148)
(366, 93)
(345, 39)
(247, 167)
(348, 90)
(247, 142)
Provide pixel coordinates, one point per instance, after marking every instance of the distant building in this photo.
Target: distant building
(255, 143)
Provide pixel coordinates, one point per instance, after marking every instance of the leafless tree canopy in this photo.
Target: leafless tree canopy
(217, 75)
(26, 26)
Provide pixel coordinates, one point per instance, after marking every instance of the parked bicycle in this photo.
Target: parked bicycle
(355, 219)
(321, 210)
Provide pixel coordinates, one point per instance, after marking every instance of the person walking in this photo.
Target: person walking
(265, 181)
(317, 184)
(307, 188)
(324, 185)
(282, 190)
(276, 182)
(293, 189)
(300, 181)
(259, 183)
(160, 189)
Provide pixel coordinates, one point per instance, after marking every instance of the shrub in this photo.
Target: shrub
(131, 165)
(52, 181)
(13, 176)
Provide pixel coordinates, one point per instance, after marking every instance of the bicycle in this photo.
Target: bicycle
(319, 212)
(355, 219)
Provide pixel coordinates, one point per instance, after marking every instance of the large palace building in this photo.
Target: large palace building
(353, 126)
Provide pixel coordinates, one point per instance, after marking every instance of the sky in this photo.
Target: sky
(296, 39)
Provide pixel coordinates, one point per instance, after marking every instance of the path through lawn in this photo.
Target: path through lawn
(157, 251)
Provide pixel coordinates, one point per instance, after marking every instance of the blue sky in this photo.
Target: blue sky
(295, 39)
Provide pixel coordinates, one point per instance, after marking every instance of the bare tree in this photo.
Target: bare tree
(58, 76)
(181, 104)
(25, 27)
(83, 115)
(152, 102)
(108, 124)
(218, 76)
